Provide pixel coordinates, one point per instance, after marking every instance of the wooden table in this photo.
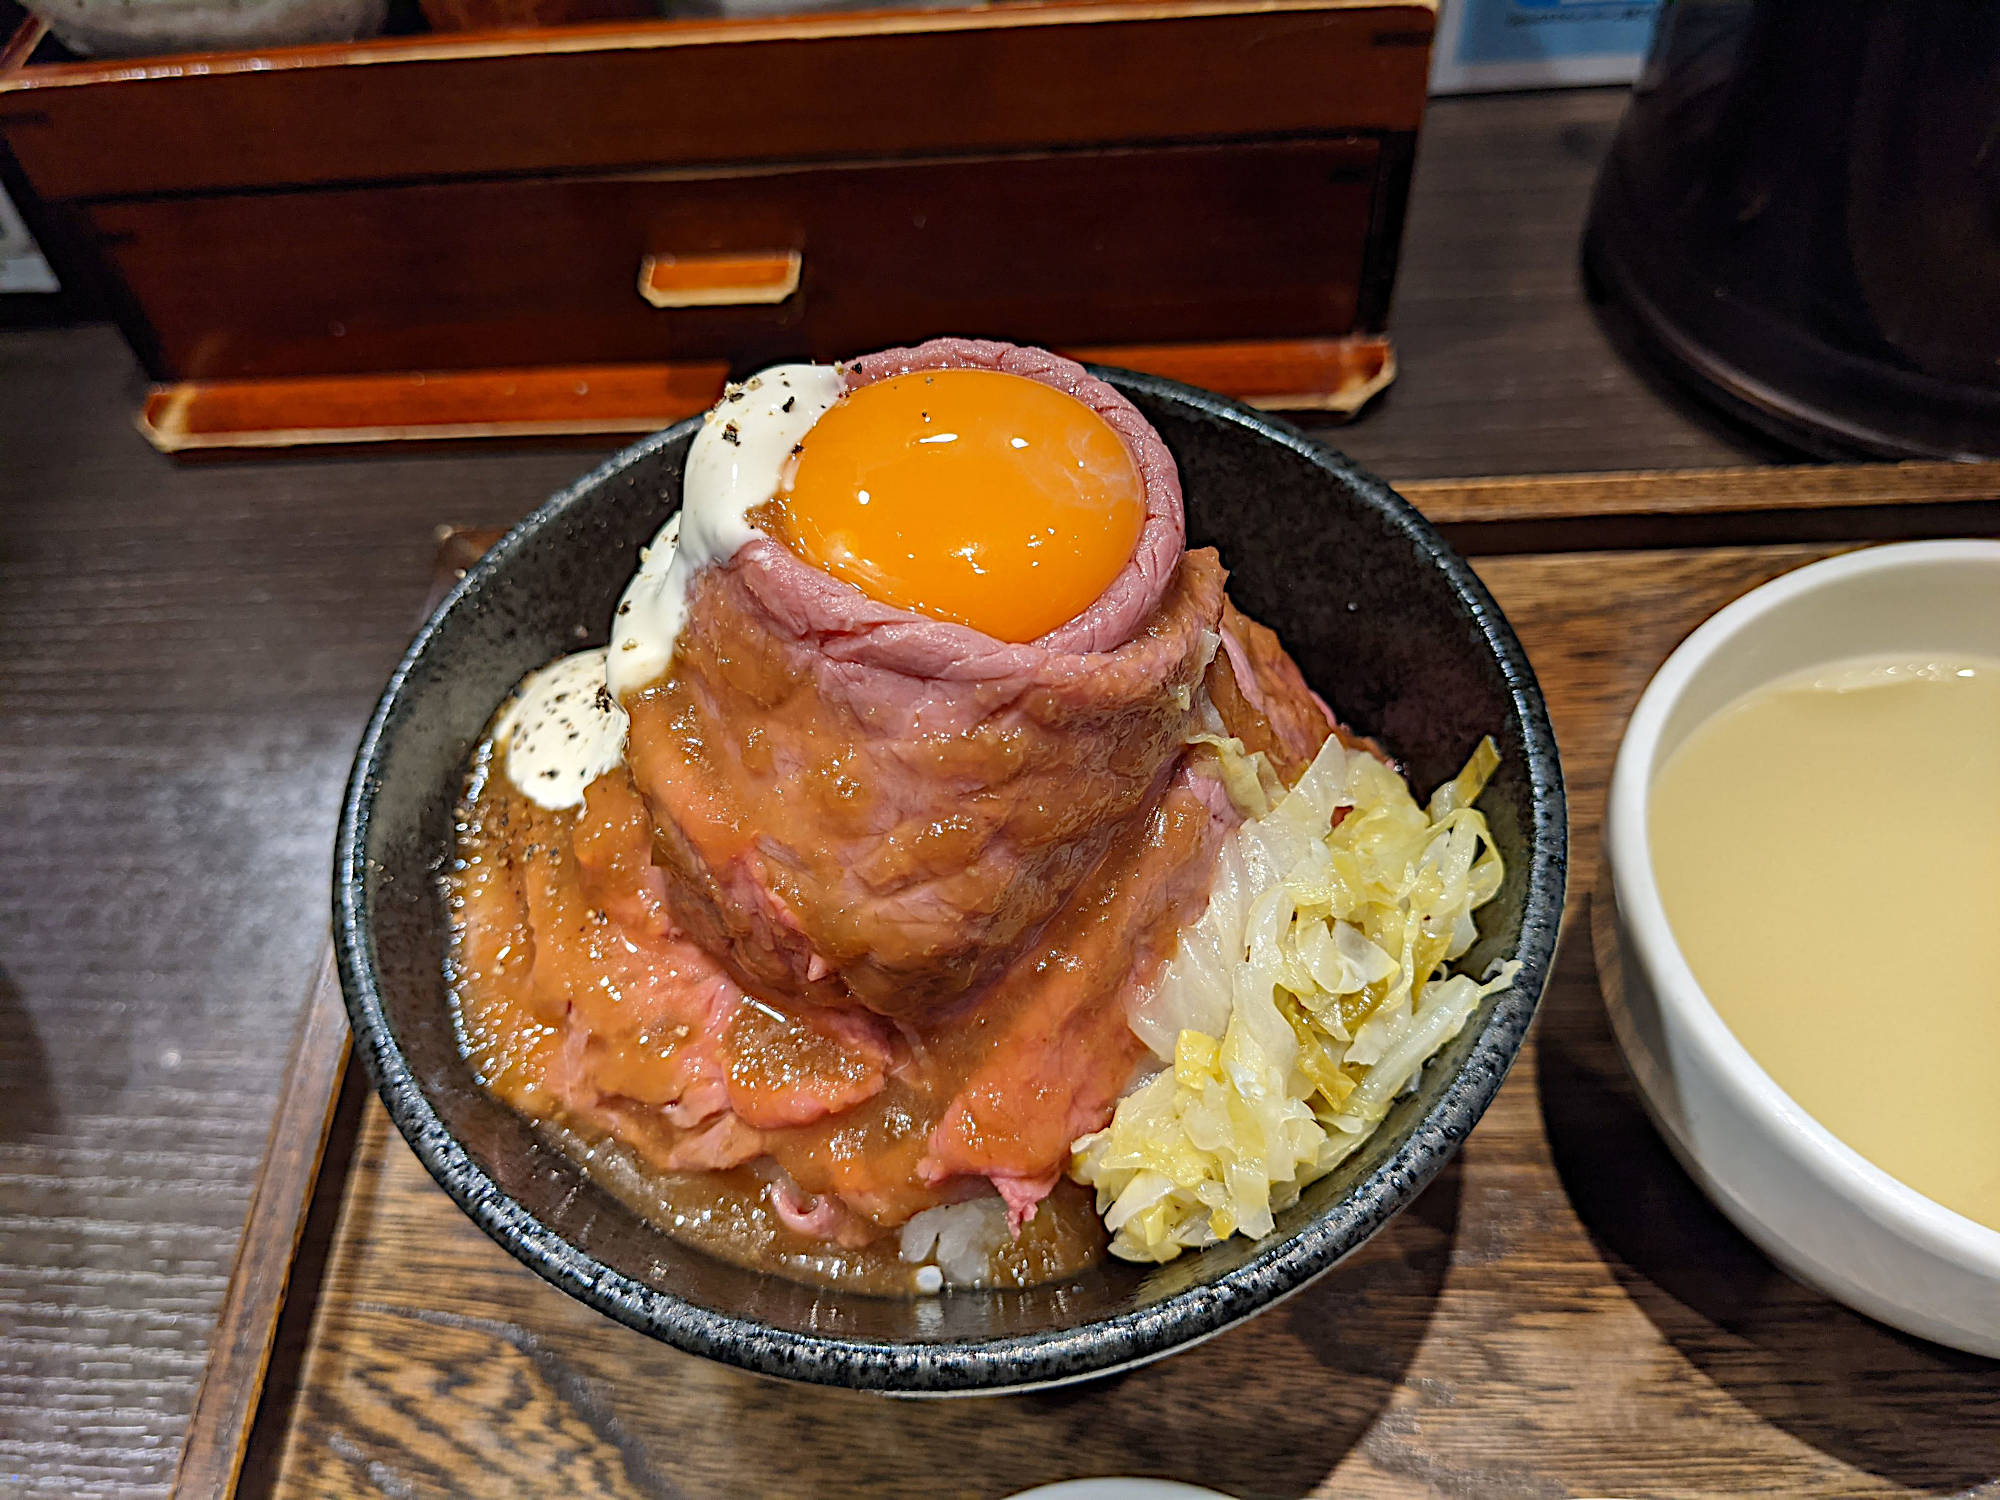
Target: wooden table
(190, 652)
(1560, 1314)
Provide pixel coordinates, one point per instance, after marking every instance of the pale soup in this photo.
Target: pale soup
(1828, 851)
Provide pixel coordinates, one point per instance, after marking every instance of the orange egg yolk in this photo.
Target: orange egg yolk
(968, 495)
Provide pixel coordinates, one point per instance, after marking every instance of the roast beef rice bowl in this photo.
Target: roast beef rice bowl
(936, 882)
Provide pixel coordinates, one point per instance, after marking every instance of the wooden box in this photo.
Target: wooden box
(587, 228)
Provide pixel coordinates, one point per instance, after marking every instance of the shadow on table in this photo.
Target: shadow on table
(1267, 1409)
(1247, 1414)
(1908, 1411)
(1759, 444)
(27, 1106)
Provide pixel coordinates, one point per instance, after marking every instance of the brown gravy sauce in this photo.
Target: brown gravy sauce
(729, 1215)
(514, 873)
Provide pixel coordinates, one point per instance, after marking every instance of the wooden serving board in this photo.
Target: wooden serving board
(1561, 1313)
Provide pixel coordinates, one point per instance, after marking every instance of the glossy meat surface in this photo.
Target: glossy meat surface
(850, 831)
(582, 1004)
(860, 806)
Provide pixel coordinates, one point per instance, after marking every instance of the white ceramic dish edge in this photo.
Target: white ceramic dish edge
(1815, 1205)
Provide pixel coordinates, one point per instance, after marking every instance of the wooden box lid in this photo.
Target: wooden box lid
(714, 92)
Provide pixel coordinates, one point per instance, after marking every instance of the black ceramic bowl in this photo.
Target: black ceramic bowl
(1388, 624)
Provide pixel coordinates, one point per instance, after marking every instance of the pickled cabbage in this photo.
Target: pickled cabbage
(1307, 996)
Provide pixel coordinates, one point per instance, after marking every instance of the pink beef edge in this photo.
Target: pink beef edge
(850, 627)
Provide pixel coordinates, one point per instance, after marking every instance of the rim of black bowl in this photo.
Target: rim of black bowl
(1034, 1360)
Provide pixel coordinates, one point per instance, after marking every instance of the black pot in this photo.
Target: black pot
(1800, 218)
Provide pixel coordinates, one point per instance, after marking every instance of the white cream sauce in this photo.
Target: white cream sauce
(737, 463)
(561, 731)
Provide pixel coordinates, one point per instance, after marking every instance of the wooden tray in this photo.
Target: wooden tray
(1560, 1313)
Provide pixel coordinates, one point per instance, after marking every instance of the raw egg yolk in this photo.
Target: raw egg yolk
(968, 495)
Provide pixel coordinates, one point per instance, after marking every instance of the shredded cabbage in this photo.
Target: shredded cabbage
(1307, 996)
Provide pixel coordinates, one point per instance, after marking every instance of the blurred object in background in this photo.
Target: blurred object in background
(131, 28)
(575, 232)
(22, 268)
(1538, 44)
(696, 9)
(1801, 219)
(486, 15)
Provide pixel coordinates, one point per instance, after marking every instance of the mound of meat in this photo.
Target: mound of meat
(870, 896)
(862, 806)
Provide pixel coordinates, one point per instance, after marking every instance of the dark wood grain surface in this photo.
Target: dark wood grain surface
(280, 1251)
(267, 1249)
(186, 657)
(1561, 1313)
